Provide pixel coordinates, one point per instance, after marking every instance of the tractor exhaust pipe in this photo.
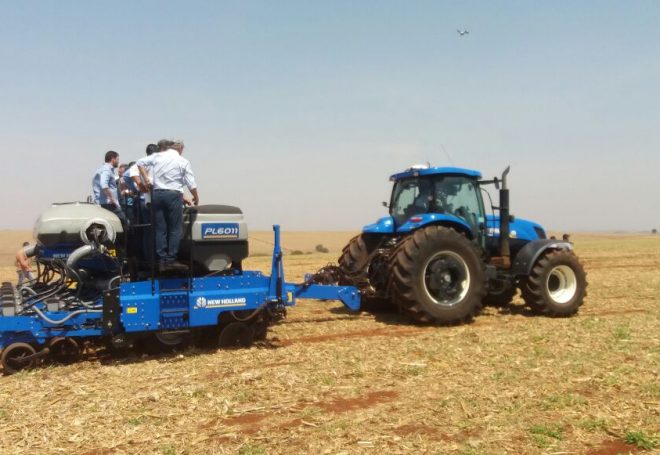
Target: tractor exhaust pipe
(505, 214)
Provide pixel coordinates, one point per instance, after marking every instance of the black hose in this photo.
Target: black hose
(253, 314)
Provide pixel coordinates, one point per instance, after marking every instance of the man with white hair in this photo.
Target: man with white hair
(171, 174)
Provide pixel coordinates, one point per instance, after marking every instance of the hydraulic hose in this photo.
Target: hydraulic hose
(78, 254)
(44, 295)
(65, 318)
(28, 289)
(253, 314)
(30, 250)
(118, 277)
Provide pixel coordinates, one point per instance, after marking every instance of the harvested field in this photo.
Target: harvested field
(328, 381)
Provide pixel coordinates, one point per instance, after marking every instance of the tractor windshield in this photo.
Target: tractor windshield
(411, 197)
(450, 194)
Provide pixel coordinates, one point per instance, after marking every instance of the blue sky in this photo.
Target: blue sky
(298, 111)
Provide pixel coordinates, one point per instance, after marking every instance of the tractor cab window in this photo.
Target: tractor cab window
(411, 197)
(459, 196)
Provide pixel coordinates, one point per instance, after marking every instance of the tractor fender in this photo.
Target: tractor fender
(427, 219)
(527, 256)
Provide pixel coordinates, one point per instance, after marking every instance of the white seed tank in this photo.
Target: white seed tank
(62, 223)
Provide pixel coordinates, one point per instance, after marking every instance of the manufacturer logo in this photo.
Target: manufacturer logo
(203, 302)
(220, 231)
(496, 232)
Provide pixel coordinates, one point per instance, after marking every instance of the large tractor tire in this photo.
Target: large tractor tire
(438, 276)
(364, 268)
(356, 256)
(557, 284)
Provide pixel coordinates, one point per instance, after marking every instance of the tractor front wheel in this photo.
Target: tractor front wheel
(438, 276)
(557, 284)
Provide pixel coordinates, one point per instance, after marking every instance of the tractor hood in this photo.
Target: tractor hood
(417, 221)
(520, 229)
(384, 225)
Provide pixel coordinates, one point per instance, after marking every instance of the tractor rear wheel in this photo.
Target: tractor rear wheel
(438, 276)
(557, 284)
(362, 268)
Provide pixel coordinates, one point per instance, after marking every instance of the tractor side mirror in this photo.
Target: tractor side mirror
(385, 204)
(497, 183)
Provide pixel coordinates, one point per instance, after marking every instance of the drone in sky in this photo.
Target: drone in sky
(463, 32)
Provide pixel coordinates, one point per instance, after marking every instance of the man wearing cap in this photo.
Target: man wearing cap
(171, 174)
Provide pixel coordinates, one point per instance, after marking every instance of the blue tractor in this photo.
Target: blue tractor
(439, 256)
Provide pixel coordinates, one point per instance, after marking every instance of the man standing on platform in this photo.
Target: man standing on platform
(171, 174)
(104, 186)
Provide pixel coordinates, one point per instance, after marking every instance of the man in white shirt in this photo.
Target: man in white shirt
(171, 174)
(142, 185)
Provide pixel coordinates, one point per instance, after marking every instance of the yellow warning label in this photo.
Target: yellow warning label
(112, 252)
(289, 296)
(131, 310)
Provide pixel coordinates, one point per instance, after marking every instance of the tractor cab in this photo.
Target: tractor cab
(440, 194)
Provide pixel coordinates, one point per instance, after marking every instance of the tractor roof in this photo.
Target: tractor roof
(416, 171)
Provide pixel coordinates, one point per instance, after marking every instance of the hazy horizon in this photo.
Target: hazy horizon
(299, 111)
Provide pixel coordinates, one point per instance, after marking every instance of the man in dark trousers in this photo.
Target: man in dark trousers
(143, 204)
(171, 174)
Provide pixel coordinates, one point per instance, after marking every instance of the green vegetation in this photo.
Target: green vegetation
(621, 332)
(251, 449)
(135, 421)
(543, 435)
(641, 440)
(594, 424)
(564, 400)
(168, 450)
